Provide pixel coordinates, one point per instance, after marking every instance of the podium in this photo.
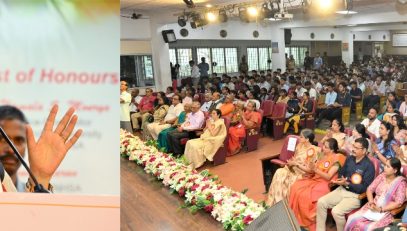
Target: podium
(37, 211)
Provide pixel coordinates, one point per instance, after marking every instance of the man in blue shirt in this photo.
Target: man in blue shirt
(330, 99)
(317, 61)
(353, 179)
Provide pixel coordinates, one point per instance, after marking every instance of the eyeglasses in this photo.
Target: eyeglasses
(357, 147)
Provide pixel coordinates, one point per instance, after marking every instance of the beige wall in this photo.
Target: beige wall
(128, 47)
(390, 50)
(333, 48)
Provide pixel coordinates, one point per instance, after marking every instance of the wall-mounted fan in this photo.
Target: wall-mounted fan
(133, 16)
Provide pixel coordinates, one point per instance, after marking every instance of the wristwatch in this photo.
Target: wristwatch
(29, 187)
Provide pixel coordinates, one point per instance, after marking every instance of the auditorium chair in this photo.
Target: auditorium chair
(359, 109)
(275, 122)
(346, 115)
(267, 107)
(253, 135)
(271, 166)
(220, 156)
(321, 100)
(309, 118)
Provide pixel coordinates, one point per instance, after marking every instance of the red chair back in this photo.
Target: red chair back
(287, 154)
(372, 136)
(261, 114)
(267, 107)
(348, 131)
(279, 110)
(220, 155)
(376, 164)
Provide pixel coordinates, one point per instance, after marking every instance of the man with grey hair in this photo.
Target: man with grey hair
(208, 102)
(194, 121)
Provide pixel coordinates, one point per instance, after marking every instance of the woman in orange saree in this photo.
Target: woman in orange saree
(248, 119)
(305, 192)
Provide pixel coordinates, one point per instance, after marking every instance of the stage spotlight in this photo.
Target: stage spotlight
(252, 11)
(211, 17)
(222, 16)
(182, 21)
(266, 12)
(189, 3)
(198, 21)
(243, 14)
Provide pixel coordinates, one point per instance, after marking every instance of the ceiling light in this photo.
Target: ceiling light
(252, 11)
(243, 14)
(182, 21)
(211, 17)
(351, 25)
(273, 19)
(198, 21)
(208, 5)
(346, 12)
(222, 16)
(325, 4)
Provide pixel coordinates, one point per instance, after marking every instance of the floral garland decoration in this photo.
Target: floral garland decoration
(233, 209)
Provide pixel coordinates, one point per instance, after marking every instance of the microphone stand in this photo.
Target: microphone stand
(38, 188)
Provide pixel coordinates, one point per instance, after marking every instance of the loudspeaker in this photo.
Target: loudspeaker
(277, 218)
(169, 36)
(287, 36)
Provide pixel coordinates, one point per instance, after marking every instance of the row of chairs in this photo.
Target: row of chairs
(274, 118)
(285, 155)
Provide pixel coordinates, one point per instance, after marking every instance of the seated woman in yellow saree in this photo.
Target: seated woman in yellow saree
(305, 192)
(305, 153)
(197, 151)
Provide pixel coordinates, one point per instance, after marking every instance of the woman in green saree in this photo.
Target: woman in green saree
(162, 136)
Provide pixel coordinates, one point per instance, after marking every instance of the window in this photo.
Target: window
(298, 53)
(137, 70)
(218, 56)
(206, 53)
(258, 58)
(231, 60)
(252, 59)
(264, 58)
(183, 57)
(173, 56)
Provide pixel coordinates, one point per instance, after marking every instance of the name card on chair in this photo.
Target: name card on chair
(291, 144)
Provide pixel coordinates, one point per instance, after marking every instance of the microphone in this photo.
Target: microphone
(38, 188)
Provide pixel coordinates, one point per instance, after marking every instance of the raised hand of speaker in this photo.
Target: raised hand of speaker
(47, 153)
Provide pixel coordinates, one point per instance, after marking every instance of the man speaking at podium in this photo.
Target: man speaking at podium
(44, 154)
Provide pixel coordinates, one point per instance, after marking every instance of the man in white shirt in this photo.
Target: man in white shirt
(264, 84)
(208, 102)
(135, 100)
(330, 99)
(299, 89)
(194, 73)
(125, 99)
(173, 113)
(378, 89)
(312, 92)
(371, 123)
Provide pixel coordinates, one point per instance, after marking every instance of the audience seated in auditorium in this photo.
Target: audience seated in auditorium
(359, 131)
(353, 179)
(251, 96)
(374, 92)
(216, 101)
(160, 112)
(337, 132)
(228, 107)
(170, 118)
(306, 152)
(390, 193)
(403, 108)
(389, 112)
(305, 192)
(197, 151)
(356, 95)
(208, 102)
(162, 136)
(249, 119)
(304, 107)
(283, 96)
(383, 147)
(194, 121)
(371, 123)
(144, 108)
